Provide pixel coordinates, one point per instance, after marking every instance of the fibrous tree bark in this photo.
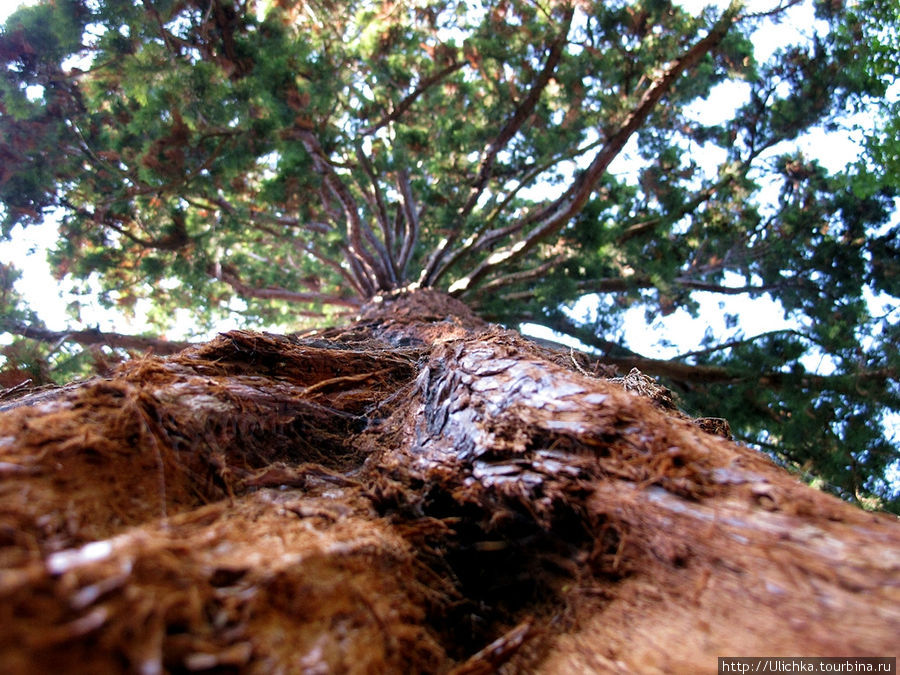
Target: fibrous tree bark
(418, 491)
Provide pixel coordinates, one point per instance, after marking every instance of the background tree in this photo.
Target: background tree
(306, 157)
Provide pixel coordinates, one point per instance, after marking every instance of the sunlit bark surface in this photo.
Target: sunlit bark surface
(416, 492)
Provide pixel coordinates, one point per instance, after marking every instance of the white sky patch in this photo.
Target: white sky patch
(679, 332)
(719, 106)
(7, 7)
(536, 330)
(27, 251)
(842, 149)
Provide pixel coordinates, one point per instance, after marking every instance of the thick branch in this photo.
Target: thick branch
(519, 277)
(561, 323)
(387, 261)
(612, 353)
(94, 337)
(522, 112)
(340, 191)
(710, 374)
(683, 372)
(309, 248)
(624, 284)
(411, 218)
(489, 238)
(554, 216)
(376, 201)
(363, 277)
(229, 275)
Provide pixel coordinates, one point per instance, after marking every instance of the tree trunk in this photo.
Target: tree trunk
(417, 492)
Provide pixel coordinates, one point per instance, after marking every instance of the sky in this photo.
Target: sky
(28, 249)
(682, 332)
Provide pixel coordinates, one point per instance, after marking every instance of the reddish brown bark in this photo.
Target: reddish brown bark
(417, 492)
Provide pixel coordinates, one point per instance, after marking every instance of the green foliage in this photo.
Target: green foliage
(302, 157)
(869, 41)
(27, 362)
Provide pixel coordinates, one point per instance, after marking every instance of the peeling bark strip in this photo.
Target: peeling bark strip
(417, 492)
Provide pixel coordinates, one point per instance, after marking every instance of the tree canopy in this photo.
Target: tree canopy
(291, 160)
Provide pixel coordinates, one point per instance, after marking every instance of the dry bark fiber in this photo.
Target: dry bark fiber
(416, 492)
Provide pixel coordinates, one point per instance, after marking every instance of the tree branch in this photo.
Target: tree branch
(311, 249)
(405, 104)
(94, 337)
(781, 8)
(522, 112)
(378, 207)
(701, 197)
(364, 278)
(229, 275)
(743, 341)
(303, 246)
(176, 239)
(411, 233)
(519, 277)
(261, 216)
(488, 238)
(624, 359)
(561, 323)
(388, 266)
(145, 189)
(342, 194)
(555, 215)
(621, 284)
